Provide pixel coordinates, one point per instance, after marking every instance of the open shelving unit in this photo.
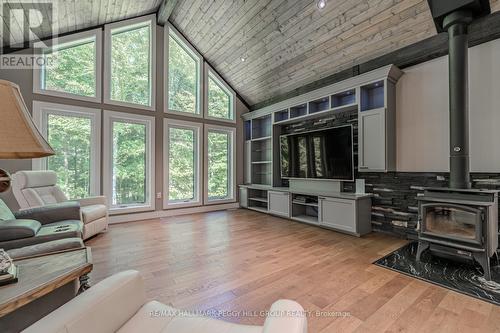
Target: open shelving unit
(257, 200)
(305, 208)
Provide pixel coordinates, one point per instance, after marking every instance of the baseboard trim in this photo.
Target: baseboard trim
(171, 212)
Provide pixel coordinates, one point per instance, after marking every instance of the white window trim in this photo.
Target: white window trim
(232, 134)
(41, 110)
(139, 21)
(198, 128)
(170, 30)
(57, 42)
(208, 71)
(149, 121)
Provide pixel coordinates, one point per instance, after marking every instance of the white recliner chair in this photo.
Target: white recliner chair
(38, 188)
(118, 304)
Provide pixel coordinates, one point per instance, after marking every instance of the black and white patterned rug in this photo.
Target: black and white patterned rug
(465, 278)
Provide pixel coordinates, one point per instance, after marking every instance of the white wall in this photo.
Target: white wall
(422, 113)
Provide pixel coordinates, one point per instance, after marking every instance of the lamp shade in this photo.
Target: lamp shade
(19, 137)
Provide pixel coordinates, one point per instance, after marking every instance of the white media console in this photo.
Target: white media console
(345, 212)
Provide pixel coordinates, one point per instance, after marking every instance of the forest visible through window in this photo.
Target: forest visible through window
(71, 69)
(219, 101)
(218, 165)
(129, 163)
(70, 137)
(183, 72)
(181, 162)
(130, 66)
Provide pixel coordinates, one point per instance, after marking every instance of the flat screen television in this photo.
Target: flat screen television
(319, 154)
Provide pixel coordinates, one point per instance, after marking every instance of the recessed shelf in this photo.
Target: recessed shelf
(248, 130)
(261, 127)
(306, 218)
(344, 98)
(305, 203)
(298, 111)
(319, 105)
(258, 199)
(262, 138)
(281, 115)
(372, 96)
(259, 209)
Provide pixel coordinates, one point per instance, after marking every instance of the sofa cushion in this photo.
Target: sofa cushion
(5, 212)
(45, 248)
(47, 233)
(17, 229)
(93, 212)
(157, 317)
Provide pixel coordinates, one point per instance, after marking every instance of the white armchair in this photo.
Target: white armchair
(38, 188)
(118, 304)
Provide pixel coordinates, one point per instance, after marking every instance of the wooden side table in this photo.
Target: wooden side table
(45, 283)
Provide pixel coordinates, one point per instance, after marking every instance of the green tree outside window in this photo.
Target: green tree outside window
(70, 137)
(71, 69)
(218, 165)
(129, 163)
(182, 78)
(130, 66)
(181, 161)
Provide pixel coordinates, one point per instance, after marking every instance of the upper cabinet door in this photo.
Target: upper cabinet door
(372, 140)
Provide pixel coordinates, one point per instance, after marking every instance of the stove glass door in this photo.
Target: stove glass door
(452, 222)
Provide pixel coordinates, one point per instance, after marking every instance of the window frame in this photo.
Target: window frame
(41, 111)
(123, 26)
(210, 73)
(149, 121)
(232, 165)
(198, 128)
(171, 31)
(59, 43)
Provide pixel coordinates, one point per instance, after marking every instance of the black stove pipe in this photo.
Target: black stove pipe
(457, 25)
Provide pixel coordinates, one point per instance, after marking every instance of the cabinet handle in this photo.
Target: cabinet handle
(321, 198)
(362, 167)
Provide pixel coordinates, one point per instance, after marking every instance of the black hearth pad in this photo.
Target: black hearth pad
(461, 277)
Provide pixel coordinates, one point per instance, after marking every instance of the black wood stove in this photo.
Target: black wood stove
(458, 221)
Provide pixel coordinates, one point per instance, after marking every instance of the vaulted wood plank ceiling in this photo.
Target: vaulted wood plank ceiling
(74, 15)
(286, 44)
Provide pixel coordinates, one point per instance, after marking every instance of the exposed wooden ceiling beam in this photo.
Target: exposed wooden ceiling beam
(165, 10)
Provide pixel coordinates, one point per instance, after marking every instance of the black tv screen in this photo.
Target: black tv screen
(321, 154)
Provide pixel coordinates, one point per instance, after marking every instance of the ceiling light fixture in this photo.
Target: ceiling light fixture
(243, 59)
(321, 4)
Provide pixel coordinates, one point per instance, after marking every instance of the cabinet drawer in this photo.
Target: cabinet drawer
(338, 213)
(279, 203)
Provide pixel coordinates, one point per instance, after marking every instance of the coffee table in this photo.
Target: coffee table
(41, 276)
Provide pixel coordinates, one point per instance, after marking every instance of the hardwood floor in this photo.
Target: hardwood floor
(241, 260)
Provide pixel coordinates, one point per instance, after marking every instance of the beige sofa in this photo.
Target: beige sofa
(118, 304)
(38, 188)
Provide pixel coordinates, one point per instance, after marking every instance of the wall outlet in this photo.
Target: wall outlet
(158, 195)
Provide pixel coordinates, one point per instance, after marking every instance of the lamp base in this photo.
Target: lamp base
(4, 180)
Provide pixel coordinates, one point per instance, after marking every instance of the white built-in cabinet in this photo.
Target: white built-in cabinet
(279, 203)
(371, 140)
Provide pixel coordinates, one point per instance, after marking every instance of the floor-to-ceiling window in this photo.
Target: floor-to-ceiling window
(74, 134)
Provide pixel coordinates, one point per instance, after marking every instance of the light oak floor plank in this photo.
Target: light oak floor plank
(241, 260)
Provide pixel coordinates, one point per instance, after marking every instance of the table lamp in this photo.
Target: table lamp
(19, 137)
